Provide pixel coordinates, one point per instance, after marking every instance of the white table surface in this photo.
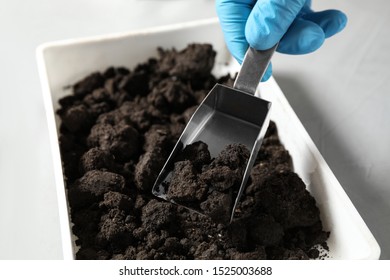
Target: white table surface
(341, 93)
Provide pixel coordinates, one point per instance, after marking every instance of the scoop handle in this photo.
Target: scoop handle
(253, 68)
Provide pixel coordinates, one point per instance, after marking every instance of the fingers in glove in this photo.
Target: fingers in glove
(331, 21)
(269, 20)
(302, 37)
(232, 17)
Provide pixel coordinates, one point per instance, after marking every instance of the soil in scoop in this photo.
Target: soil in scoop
(118, 128)
(209, 186)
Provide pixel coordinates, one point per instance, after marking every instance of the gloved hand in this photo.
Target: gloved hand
(263, 23)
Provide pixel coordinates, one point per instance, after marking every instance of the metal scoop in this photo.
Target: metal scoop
(226, 116)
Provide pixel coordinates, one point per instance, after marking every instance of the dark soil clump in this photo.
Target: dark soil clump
(118, 128)
(205, 185)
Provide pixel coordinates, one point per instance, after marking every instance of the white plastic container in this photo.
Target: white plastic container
(63, 63)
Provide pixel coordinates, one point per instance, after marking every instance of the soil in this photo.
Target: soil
(118, 128)
(207, 185)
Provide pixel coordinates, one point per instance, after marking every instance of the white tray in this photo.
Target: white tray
(63, 63)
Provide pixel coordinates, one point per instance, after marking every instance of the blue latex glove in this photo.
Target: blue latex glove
(263, 23)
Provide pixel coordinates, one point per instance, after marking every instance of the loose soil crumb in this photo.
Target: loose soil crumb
(118, 128)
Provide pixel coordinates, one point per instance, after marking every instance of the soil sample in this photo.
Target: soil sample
(205, 185)
(118, 128)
